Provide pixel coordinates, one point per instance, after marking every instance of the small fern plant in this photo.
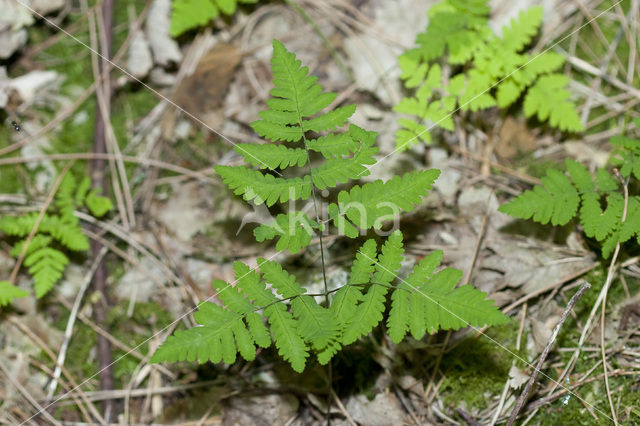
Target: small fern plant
(190, 14)
(268, 304)
(458, 59)
(58, 231)
(598, 201)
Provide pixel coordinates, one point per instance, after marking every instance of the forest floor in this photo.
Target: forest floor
(175, 226)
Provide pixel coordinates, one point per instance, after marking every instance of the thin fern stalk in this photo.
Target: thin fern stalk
(41, 214)
(322, 260)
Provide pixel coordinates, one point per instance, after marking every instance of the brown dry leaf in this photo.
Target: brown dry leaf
(205, 89)
(515, 137)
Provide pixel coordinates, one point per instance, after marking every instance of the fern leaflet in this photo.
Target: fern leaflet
(9, 292)
(190, 14)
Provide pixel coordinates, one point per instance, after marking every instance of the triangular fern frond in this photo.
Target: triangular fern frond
(271, 305)
(458, 38)
(558, 197)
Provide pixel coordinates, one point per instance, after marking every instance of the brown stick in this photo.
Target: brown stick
(525, 393)
(99, 180)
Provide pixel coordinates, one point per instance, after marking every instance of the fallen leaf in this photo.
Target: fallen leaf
(206, 88)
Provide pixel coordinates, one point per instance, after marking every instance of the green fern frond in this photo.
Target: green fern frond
(294, 231)
(458, 35)
(37, 242)
(315, 324)
(97, 204)
(9, 292)
(556, 200)
(271, 305)
(189, 14)
(626, 155)
(58, 227)
(264, 188)
(213, 341)
(65, 230)
(631, 225)
(407, 307)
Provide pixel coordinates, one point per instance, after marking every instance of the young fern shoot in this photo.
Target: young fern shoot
(253, 314)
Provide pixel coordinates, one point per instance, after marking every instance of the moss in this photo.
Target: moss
(479, 367)
(133, 331)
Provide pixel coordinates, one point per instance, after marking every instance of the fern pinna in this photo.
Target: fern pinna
(459, 40)
(267, 303)
(59, 230)
(190, 14)
(562, 197)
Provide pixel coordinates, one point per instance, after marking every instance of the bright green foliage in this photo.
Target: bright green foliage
(458, 38)
(561, 197)
(430, 301)
(294, 231)
(267, 303)
(190, 14)
(59, 230)
(8, 292)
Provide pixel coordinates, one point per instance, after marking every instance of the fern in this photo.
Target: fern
(268, 304)
(58, 230)
(562, 197)
(190, 14)
(458, 34)
(9, 292)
